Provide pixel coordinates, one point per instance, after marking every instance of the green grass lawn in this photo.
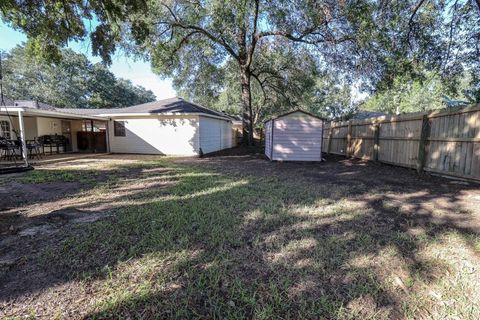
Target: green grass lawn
(190, 242)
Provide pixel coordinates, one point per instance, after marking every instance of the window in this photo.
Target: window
(5, 129)
(119, 128)
(97, 126)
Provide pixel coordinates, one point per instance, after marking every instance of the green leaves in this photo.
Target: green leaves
(72, 82)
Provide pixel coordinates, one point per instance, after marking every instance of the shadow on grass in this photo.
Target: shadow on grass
(205, 244)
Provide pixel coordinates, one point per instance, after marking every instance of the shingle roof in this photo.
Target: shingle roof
(32, 104)
(233, 117)
(293, 111)
(8, 102)
(167, 106)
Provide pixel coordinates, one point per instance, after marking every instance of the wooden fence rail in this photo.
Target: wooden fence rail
(444, 142)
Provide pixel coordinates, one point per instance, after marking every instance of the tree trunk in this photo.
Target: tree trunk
(246, 106)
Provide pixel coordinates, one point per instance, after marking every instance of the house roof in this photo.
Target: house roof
(297, 110)
(233, 117)
(167, 106)
(35, 108)
(7, 101)
(30, 104)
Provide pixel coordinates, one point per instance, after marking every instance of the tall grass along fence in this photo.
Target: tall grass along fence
(445, 142)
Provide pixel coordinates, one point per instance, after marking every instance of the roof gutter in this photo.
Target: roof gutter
(47, 113)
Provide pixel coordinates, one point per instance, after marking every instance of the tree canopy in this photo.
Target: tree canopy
(72, 82)
(269, 54)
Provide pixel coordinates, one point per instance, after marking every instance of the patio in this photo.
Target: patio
(49, 159)
(32, 132)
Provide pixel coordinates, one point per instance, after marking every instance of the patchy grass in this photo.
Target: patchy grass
(45, 176)
(191, 242)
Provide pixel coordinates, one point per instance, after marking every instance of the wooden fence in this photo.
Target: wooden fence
(445, 142)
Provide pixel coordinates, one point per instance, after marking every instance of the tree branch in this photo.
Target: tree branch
(182, 42)
(261, 87)
(255, 36)
(303, 35)
(219, 40)
(412, 16)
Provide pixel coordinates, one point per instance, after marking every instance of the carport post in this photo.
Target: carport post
(22, 137)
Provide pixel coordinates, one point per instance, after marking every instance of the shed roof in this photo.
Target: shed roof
(294, 111)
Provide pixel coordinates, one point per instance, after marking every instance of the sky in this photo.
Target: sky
(139, 72)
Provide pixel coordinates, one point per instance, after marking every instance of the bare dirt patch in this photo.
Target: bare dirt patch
(236, 236)
(456, 202)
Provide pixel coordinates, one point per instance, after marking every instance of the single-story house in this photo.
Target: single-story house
(294, 136)
(167, 127)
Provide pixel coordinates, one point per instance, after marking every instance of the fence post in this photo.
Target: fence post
(349, 139)
(376, 141)
(422, 148)
(329, 146)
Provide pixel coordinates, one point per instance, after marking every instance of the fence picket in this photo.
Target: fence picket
(445, 141)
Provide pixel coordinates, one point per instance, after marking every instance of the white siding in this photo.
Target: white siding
(268, 139)
(215, 134)
(297, 137)
(166, 135)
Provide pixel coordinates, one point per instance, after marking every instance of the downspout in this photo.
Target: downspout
(94, 141)
(108, 134)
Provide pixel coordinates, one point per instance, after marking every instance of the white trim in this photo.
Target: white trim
(102, 116)
(22, 137)
(48, 113)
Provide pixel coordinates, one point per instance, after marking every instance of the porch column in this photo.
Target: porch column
(22, 137)
(94, 140)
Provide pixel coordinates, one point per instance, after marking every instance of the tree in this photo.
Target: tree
(331, 99)
(73, 82)
(374, 41)
(422, 94)
(288, 75)
(50, 25)
(182, 36)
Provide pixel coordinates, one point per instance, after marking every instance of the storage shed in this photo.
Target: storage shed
(294, 136)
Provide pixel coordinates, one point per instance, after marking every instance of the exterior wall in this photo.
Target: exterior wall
(268, 139)
(15, 124)
(165, 135)
(297, 137)
(215, 134)
(30, 126)
(76, 126)
(31, 131)
(48, 126)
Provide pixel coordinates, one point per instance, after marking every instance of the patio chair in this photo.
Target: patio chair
(34, 149)
(9, 149)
